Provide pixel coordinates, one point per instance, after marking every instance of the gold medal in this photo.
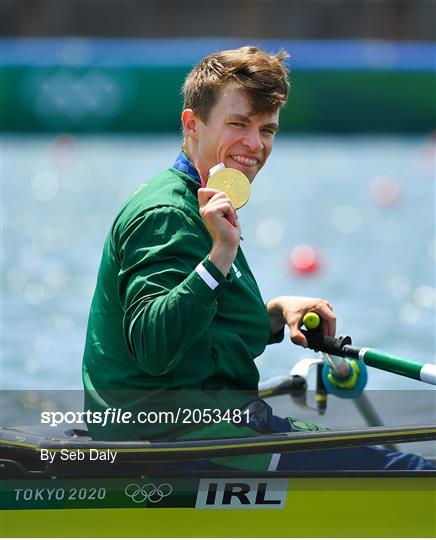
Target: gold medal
(233, 183)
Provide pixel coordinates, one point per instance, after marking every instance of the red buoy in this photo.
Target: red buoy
(304, 259)
(385, 190)
(64, 148)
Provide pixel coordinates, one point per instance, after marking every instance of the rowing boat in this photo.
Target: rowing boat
(74, 497)
(80, 493)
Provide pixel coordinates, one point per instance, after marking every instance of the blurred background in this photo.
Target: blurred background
(87, 66)
(345, 208)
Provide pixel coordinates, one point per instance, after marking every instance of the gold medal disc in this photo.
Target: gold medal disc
(233, 183)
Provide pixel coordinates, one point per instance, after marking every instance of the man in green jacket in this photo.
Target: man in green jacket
(177, 318)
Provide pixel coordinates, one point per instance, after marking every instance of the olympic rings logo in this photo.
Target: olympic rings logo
(150, 492)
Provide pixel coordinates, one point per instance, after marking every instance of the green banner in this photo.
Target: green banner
(147, 99)
(98, 493)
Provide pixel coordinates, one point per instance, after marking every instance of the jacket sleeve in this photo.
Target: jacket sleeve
(277, 337)
(167, 286)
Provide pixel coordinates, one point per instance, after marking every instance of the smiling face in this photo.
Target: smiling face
(233, 134)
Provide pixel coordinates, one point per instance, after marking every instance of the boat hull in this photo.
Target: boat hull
(146, 493)
(267, 506)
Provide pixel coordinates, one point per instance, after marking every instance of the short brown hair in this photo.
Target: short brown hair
(263, 76)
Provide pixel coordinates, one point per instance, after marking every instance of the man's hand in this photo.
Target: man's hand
(290, 310)
(219, 216)
(221, 221)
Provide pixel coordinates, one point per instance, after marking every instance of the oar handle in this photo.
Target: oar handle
(400, 366)
(341, 346)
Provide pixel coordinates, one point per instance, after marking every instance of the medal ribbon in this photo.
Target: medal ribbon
(184, 165)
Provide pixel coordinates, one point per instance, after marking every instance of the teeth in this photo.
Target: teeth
(245, 161)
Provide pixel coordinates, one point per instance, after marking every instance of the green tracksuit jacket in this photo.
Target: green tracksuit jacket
(166, 329)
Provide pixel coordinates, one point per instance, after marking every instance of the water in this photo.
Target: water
(60, 195)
